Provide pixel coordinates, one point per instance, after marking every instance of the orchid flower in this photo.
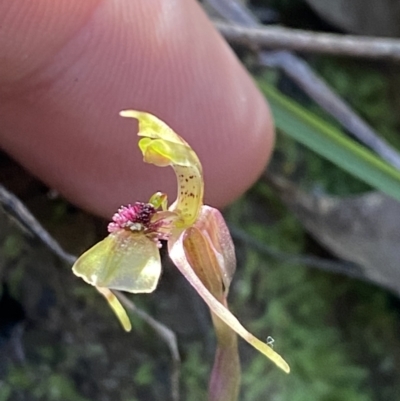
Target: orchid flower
(199, 244)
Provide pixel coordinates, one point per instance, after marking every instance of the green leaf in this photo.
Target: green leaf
(329, 142)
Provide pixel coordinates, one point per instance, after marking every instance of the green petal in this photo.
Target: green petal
(177, 255)
(124, 261)
(116, 307)
(152, 127)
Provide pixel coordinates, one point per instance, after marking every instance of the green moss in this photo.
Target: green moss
(339, 335)
(41, 383)
(195, 371)
(11, 247)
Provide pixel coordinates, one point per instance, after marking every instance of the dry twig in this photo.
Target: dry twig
(316, 88)
(344, 268)
(277, 37)
(166, 334)
(299, 71)
(15, 208)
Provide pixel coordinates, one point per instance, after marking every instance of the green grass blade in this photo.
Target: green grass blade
(329, 142)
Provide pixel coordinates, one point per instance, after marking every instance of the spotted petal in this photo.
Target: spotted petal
(163, 147)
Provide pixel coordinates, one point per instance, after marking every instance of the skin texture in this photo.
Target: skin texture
(68, 67)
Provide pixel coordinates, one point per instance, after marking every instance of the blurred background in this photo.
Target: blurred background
(317, 248)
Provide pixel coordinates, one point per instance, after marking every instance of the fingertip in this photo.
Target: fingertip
(162, 57)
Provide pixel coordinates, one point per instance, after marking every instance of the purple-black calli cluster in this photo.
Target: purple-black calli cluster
(136, 217)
